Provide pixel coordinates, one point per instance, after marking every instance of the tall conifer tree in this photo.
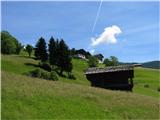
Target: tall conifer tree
(41, 50)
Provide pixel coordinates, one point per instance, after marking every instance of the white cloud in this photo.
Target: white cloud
(108, 36)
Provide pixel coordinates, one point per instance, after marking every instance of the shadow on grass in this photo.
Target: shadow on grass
(27, 57)
(31, 64)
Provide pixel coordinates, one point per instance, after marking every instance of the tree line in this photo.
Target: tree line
(57, 54)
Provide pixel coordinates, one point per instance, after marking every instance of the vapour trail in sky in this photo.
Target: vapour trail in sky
(98, 12)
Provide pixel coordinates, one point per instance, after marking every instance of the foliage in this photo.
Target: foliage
(142, 76)
(29, 49)
(112, 61)
(83, 52)
(9, 44)
(71, 76)
(41, 50)
(64, 59)
(53, 51)
(158, 89)
(44, 74)
(55, 68)
(99, 56)
(19, 47)
(53, 75)
(73, 51)
(45, 66)
(93, 62)
(146, 86)
(36, 73)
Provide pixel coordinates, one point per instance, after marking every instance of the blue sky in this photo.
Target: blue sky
(73, 21)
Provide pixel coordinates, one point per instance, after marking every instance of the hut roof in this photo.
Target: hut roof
(95, 70)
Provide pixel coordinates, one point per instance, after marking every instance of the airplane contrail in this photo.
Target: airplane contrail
(97, 16)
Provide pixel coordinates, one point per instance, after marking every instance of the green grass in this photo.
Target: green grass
(17, 64)
(142, 76)
(150, 77)
(32, 98)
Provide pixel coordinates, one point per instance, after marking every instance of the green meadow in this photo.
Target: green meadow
(24, 97)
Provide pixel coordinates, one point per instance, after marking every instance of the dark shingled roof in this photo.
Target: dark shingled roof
(110, 69)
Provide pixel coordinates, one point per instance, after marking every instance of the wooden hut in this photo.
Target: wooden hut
(114, 77)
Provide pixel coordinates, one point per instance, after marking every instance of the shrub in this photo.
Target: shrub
(43, 74)
(55, 68)
(146, 86)
(158, 89)
(53, 76)
(71, 76)
(36, 73)
(45, 66)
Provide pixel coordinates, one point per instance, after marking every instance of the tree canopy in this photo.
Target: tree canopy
(64, 58)
(29, 49)
(93, 61)
(9, 44)
(53, 53)
(83, 52)
(41, 50)
(99, 57)
(112, 61)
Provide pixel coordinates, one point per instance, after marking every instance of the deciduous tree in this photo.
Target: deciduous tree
(29, 49)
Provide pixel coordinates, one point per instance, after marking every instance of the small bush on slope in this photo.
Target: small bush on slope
(43, 74)
(53, 75)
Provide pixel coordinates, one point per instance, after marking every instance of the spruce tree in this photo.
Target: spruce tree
(53, 51)
(68, 66)
(41, 50)
(64, 59)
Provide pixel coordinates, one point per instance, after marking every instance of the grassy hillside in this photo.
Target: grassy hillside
(26, 97)
(147, 77)
(142, 76)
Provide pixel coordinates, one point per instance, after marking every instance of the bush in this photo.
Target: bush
(44, 74)
(53, 76)
(55, 68)
(158, 89)
(36, 73)
(71, 76)
(46, 66)
(146, 86)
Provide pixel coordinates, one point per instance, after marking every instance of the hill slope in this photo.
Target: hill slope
(26, 97)
(142, 76)
(30, 98)
(152, 64)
